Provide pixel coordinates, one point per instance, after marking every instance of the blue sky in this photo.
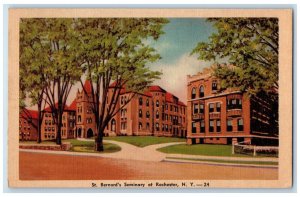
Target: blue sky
(180, 38)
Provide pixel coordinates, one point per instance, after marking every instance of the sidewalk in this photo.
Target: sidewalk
(150, 153)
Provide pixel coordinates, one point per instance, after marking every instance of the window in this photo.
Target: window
(234, 104)
(214, 86)
(171, 107)
(166, 127)
(218, 107)
(122, 100)
(157, 114)
(211, 126)
(166, 106)
(140, 101)
(140, 126)
(148, 126)
(147, 102)
(201, 92)
(167, 117)
(194, 128)
(113, 125)
(202, 126)
(196, 110)
(218, 126)
(193, 93)
(147, 114)
(157, 126)
(240, 125)
(79, 118)
(201, 108)
(140, 113)
(157, 103)
(163, 127)
(211, 107)
(229, 125)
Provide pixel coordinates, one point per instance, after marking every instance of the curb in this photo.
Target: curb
(219, 163)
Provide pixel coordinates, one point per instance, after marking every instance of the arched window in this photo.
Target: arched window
(157, 103)
(140, 113)
(113, 125)
(157, 114)
(201, 92)
(147, 114)
(140, 101)
(193, 93)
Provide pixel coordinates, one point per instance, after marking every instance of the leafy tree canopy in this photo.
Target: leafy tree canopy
(251, 46)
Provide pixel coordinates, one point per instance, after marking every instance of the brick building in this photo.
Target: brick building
(28, 123)
(227, 116)
(154, 112)
(48, 127)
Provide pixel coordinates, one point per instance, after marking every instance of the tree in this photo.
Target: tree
(32, 64)
(64, 67)
(251, 46)
(113, 51)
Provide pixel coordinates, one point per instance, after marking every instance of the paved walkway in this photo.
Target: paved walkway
(131, 152)
(150, 153)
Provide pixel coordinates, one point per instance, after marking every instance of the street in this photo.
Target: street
(41, 166)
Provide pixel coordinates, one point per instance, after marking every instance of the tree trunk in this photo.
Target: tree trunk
(99, 141)
(39, 138)
(59, 125)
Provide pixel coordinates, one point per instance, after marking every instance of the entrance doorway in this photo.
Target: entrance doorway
(79, 132)
(90, 133)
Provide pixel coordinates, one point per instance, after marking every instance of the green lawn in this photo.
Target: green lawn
(82, 146)
(142, 141)
(201, 149)
(228, 161)
(108, 148)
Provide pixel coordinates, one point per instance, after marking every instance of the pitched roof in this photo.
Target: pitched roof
(27, 113)
(73, 105)
(169, 97)
(181, 103)
(87, 86)
(48, 109)
(156, 88)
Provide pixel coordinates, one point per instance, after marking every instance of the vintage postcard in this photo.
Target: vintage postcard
(150, 98)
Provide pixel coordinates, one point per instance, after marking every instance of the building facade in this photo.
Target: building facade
(68, 127)
(28, 124)
(227, 116)
(155, 112)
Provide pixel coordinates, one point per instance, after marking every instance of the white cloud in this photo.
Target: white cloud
(174, 76)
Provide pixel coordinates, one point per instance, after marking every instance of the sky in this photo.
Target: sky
(175, 46)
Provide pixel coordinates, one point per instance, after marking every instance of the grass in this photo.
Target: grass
(228, 161)
(82, 146)
(108, 148)
(142, 141)
(201, 149)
